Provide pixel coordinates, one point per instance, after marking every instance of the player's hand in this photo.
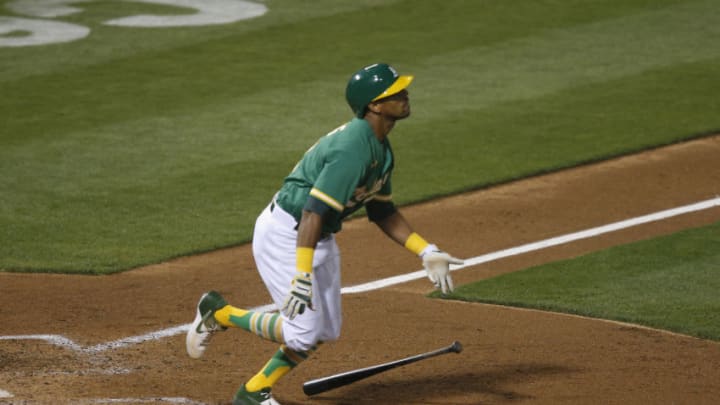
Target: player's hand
(437, 265)
(300, 296)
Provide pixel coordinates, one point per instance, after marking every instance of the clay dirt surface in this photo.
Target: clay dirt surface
(511, 356)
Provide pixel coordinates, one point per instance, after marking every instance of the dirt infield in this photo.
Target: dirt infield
(511, 355)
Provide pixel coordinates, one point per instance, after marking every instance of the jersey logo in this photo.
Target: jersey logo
(363, 194)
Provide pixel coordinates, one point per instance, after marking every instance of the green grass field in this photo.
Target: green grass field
(134, 145)
(669, 282)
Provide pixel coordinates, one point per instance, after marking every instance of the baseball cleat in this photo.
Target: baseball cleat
(204, 325)
(262, 397)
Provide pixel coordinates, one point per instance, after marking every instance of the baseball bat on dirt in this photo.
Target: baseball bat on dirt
(338, 380)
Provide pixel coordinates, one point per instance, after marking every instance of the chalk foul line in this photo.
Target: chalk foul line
(386, 282)
(543, 244)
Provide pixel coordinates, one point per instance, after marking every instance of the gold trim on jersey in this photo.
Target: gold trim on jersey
(327, 199)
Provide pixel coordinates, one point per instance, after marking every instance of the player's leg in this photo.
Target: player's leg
(215, 314)
(267, 325)
(274, 245)
(274, 252)
(259, 387)
(328, 289)
(305, 332)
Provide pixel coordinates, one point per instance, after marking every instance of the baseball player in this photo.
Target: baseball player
(294, 244)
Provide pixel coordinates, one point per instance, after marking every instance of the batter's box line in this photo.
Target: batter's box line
(62, 341)
(169, 400)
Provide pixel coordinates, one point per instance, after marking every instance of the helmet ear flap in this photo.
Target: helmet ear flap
(371, 83)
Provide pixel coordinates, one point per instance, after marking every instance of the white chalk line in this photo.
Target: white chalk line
(62, 341)
(543, 244)
(170, 400)
(155, 400)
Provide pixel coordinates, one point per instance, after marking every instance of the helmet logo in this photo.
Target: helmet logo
(394, 72)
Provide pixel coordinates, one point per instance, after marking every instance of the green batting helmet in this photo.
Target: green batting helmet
(372, 83)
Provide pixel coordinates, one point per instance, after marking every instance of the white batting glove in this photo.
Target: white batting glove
(300, 296)
(437, 265)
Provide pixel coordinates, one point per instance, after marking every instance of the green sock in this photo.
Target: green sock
(280, 364)
(263, 324)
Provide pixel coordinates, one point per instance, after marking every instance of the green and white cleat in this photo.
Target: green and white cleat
(204, 324)
(262, 397)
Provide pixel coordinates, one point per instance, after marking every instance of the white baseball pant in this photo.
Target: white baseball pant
(274, 248)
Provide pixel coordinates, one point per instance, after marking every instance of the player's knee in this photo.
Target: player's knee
(307, 340)
(301, 343)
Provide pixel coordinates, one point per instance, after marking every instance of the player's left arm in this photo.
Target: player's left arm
(393, 224)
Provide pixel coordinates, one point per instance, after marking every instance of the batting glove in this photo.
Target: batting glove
(437, 265)
(300, 296)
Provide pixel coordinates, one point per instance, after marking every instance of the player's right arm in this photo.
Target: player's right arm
(300, 296)
(339, 168)
(310, 229)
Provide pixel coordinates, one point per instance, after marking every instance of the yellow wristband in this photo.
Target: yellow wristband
(305, 259)
(415, 243)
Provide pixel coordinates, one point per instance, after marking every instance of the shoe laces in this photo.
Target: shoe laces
(209, 327)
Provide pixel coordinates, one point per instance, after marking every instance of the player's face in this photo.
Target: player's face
(396, 106)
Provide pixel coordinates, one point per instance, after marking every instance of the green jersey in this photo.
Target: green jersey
(345, 169)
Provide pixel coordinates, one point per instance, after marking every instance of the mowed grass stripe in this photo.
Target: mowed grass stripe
(578, 125)
(246, 64)
(558, 59)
